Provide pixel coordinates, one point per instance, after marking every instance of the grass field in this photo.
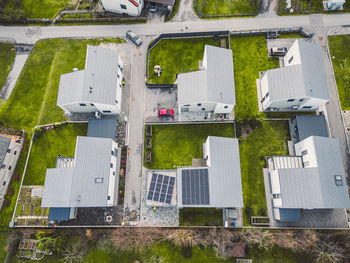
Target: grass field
(250, 57)
(3, 243)
(7, 57)
(176, 56)
(33, 100)
(270, 138)
(340, 53)
(200, 217)
(46, 148)
(176, 145)
(228, 8)
(39, 8)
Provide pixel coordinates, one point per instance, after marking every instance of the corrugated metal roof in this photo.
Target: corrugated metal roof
(225, 183)
(215, 83)
(96, 84)
(4, 145)
(305, 79)
(102, 128)
(314, 125)
(315, 187)
(79, 188)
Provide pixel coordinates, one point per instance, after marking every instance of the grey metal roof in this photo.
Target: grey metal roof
(314, 186)
(4, 145)
(305, 79)
(102, 128)
(215, 83)
(92, 160)
(100, 74)
(311, 125)
(225, 183)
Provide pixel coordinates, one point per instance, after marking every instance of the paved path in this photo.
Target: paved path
(185, 12)
(268, 8)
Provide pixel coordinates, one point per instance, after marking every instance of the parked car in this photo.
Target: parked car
(278, 51)
(165, 113)
(152, 7)
(134, 38)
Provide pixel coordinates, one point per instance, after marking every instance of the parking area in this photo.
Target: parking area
(279, 43)
(160, 98)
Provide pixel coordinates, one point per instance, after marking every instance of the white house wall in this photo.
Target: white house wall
(292, 52)
(112, 177)
(315, 103)
(115, 6)
(194, 107)
(310, 157)
(220, 108)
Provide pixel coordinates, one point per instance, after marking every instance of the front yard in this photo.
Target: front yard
(177, 56)
(228, 8)
(176, 145)
(340, 54)
(7, 57)
(45, 149)
(249, 57)
(265, 138)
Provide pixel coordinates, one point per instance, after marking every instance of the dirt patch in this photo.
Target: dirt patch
(246, 131)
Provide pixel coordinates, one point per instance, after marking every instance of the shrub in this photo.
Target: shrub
(11, 192)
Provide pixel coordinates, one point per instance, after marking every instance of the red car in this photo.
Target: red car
(165, 113)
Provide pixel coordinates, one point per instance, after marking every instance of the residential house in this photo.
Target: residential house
(168, 4)
(300, 85)
(90, 179)
(97, 88)
(335, 4)
(210, 91)
(312, 179)
(127, 7)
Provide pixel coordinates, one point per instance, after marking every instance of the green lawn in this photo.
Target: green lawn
(270, 138)
(250, 57)
(291, 35)
(39, 8)
(228, 7)
(7, 56)
(33, 100)
(339, 49)
(3, 243)
(176, 56)
(176, 145)
(200, 217)
(46, 148)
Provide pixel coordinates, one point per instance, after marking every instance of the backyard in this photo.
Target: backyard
(200, 217)
(177, 56)
(340, 53)
(228, 8)
(7, 56)
(33, 100)
(259, 140)
(45, 149)
(250, 57)
(176, 145)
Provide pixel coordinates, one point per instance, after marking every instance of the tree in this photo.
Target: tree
(328, 252)
(49, 241)
(184, 238)
(262, 239)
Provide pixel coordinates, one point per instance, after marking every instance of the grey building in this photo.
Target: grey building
(97, 88)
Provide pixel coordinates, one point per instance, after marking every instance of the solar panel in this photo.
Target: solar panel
(166, 180)
(172, 180)
(195, 187)
(156, 196)
(168, 199)
(161, 188)
(154, 177)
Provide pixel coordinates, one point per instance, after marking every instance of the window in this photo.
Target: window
(276, 196)
(108, 198)
(106, 111)
(119, 66)
(8, 150)
(111, 165)
(115, 152)
(290, 60)
(290, 100)
(306, 163)
(199, 104)
(338, 180)
(187, 105)
(118, 76)
(116, 101)
(10, 167)
(303, 153)
(267, 94)
(82, 104)
(99, 180)
(123, 6)
(301, 100)
(184, 109)
(4, 183)
(225, 107)
(263, 99)
(113, 173)
(3, 166)
(307, 107)
(14, 153)
(91, 104)
(203, 108)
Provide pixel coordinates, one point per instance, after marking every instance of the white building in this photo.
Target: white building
(300, 85)
(335, 4)
(128, 7)
(97, 88)
(210, 90)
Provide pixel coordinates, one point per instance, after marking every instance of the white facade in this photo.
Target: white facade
(129, 7)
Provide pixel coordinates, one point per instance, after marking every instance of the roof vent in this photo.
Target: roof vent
(98, 180)
(79, 198)
(75, 69)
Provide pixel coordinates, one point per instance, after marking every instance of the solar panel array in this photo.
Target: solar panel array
(195, 187)
(161, 188)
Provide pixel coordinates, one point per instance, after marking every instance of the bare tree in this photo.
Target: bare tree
(184, 237)
(262, 239)
(328, 252)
